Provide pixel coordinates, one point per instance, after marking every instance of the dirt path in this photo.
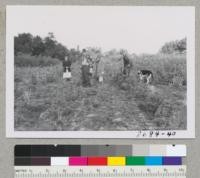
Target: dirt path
(107, 108)
(68, 106)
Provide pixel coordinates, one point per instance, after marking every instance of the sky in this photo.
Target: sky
(137, 29)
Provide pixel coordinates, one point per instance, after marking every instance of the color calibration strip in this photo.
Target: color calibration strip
(99, 150)
(102, 161)
(99, 155)
(98, 161)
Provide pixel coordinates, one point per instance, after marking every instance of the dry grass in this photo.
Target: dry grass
(44, 101)
(26, 60)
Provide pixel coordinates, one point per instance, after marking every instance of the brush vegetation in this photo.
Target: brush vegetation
(44, 101)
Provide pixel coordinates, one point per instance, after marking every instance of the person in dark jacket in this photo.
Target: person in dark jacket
(127, 63)
(67, 64)
(67, 68)
(85, 69)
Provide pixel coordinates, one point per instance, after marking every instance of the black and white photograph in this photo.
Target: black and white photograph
(100, 71)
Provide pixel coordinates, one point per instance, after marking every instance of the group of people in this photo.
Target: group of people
(87, 67)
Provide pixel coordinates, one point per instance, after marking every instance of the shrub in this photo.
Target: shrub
(33, 79)
(178, 81)
(26, 60)
(164, 67)
(50, 78)
(178, 46)
(147, 100)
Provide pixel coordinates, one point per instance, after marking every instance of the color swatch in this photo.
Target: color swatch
(116, 161)
(78, 161)
(98, 161)
(99, 150)
(99, 155)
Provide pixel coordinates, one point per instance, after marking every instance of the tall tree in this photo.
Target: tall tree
(38, 46)
(23, 43)
(50, 44)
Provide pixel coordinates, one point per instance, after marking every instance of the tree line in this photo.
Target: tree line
(178, 46)
(26, 43)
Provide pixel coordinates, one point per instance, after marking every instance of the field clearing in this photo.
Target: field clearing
(44, 101)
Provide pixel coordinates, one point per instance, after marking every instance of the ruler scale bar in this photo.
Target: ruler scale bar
(101, 172)
(100, 161)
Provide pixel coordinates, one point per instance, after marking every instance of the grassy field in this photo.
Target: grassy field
(44, 101)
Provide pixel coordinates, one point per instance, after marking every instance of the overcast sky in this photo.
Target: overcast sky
(137, 29)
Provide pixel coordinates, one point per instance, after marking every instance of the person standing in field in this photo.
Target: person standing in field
(67, 68)
(91, 67)
(85, 68)
(97, 60)
(127, 63)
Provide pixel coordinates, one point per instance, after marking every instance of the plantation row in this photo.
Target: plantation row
(45, 101)
(167, 69)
